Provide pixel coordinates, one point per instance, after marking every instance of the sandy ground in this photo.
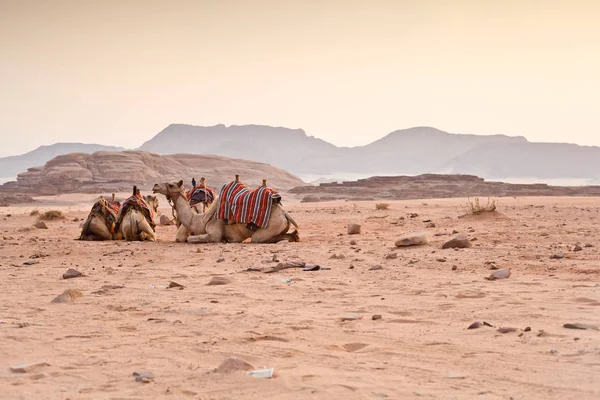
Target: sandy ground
(291, 320)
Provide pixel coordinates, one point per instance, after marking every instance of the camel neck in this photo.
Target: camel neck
(184, 211)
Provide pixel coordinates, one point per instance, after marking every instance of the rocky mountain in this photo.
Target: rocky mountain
(104, 171)
(11, 166)
(290, 149)
(404, 152)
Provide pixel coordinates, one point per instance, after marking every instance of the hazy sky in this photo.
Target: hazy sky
(118, 72)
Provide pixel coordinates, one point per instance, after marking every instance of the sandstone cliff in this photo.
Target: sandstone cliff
(431, 186)
(103, 172)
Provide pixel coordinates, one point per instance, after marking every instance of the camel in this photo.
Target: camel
(95, 226)
(135, 226)
(206, 228)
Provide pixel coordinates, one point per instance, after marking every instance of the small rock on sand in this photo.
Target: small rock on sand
(219, 280)
(164, 220)
(71, 273)
(41, 225)
(68, 296)
(24, 368)
(176, 285)
(353, 243)
(376, 317)
(351, 317)
(391, 256)
(557, 256)
(507, 330)
(143, 376)
(233, 364)
(353, 229)
(578, 325)
(460, 241)
(475, 325)
(413, 239)
(499, 274)
(375, 268)
(577, 248)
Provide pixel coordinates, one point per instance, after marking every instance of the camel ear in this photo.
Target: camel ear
(180, 183)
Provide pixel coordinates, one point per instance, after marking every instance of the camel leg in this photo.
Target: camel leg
(182, 234)
(275, 231)
(205, 238)
(146, 231)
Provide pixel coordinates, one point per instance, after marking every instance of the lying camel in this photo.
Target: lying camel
(135, 226)
(206, 228)
(97, 225)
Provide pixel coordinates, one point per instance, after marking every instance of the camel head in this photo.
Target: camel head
(170, 190)
(152, 202)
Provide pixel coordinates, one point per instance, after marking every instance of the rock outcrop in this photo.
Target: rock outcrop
(103, 172)
(431, 186)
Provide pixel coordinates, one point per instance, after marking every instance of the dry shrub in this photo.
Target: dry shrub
(51, 215)
(34, 213)
(475, 207)
(382, 206)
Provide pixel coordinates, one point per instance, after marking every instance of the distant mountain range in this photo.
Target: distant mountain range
(13, 165)
(404, 152)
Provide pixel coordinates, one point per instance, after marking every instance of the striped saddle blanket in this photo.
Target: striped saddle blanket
(240, 205)
(200, 195)
(139, 204)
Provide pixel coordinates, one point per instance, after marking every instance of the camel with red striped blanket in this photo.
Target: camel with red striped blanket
(208, 228)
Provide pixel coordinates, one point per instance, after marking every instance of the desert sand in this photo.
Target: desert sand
(127, 320)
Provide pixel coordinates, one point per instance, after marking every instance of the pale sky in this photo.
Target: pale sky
(349, 72)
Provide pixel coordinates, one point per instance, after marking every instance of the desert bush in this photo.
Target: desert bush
(475, 207)
(382, 206)
(51, 215)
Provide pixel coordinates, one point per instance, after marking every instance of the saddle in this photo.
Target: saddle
(138, 203)
(240, 205)
(200, 194)
(108, 210)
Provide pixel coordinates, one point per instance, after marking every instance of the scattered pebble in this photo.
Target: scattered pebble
(233, 364)
(376, 317)
(413, 239)
(507, 330)
(351, 317)
(578, 325)
(375, 268)
(499, 274)
(174, 284)
(475, 325)
(460, 241)
(143, 376)
(219, 280)
(24, 368)
(71, 273)
(68, 296)
(557, 256)
(391, 256)
(353, 229)
(577, 248)
(40, 225)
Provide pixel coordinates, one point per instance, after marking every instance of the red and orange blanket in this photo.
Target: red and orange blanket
(108, 210)
(137, 202)
(240, 205)
(199, 195)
